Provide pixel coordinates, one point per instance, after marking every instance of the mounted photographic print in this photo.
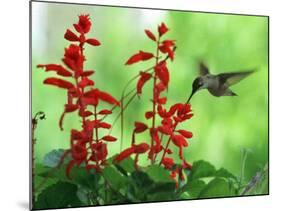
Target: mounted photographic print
(137, 105)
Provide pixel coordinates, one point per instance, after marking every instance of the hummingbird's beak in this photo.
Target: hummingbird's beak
(192, 93)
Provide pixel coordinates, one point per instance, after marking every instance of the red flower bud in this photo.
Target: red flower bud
(70, 36)
(162, 29)
(150, 35)
(109, 138)
(140, 127)
(93, 42)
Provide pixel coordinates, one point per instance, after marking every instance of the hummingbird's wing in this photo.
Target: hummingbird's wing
(203, 70)
(230, 79)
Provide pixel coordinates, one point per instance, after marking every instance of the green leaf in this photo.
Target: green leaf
(218, 187)
(141, 179)
(162, 187)
(52, 158)
(115, 179)
(127, 165)
(59, 195)
(158, 174)
(222, 172)
(85, 178)
(194, 187)
(201, 169)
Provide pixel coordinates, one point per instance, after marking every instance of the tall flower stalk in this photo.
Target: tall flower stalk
(177, 113)
(86, 144)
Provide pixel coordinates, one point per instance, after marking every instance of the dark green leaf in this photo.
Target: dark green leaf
(127, 165)
(59, 195)
(162, 187)
(141, 179)
(218, 187)
(222, 172)
(158, 174)
(201, 169)
(115, 179)
(194, 187)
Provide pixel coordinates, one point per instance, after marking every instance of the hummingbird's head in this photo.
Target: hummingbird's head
(198, 83)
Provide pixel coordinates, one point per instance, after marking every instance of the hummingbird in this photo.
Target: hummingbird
(217, 85)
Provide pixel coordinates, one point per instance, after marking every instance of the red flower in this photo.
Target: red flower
(83, 25)
(162, 73)
(105, 112)
(93, 42)
(70, 36)
(140, 56)
(99, 152)
(60, 70)
(167, 47)
(109, 138)
(162, 29)
(168, 162)
(140, 127)
(73, 58)
(96, 94)
(149, 114)
(59, 83)
(79, 153)
(144, 77)
(185, 133)
(124, 154)
(141, 148)
(150, 35)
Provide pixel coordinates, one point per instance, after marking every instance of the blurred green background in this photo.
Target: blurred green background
(222, 127)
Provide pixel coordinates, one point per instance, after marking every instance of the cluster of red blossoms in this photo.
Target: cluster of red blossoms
(87, 145)
(170, 119)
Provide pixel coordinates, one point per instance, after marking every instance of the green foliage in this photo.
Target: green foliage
(59, 195)
(218, 187)
(158, 174)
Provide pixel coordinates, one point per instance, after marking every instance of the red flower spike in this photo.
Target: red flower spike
(185, 133)
(70, 36)
(168, 162)
(162, 29)
(83, 25)
(124, 154)
(140, 127)
(59, 83)
(60, 70)
(105, 112)
(109, 138)
(144, 77)
(93, 42)
(150, 35)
